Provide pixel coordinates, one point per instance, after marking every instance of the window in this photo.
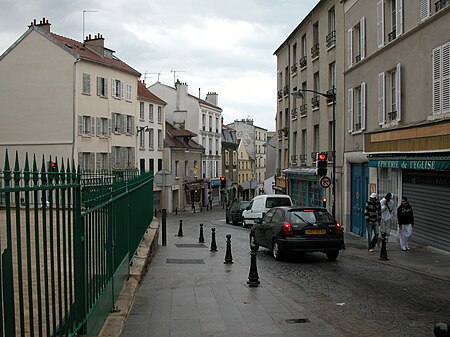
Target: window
(186, 168)
(227, 158)
(396, 18)
(331, 37)
(356, 42)
(424, 9)
(315, 98)
(304, 51)
(129, 122)
(151, 138)
(160, 140)
(217, 146)
(128, 92)
(102, 161)
(86, 161)
(103, 127)
(141, 111)
(210, 123)
(151, 164)
(117, 123)
(160, 166)
(356, 108)
(86, 84)
(150, 113)
(117, 88)
(177, 164)
(86, 125)
(380, 23)
(332, 75)
(234, 158)
(159, 115)
(389, 95)
(141, 140)
(204, 121)
(315, 47)
(316, 138)
(441, 79)
(102, 87)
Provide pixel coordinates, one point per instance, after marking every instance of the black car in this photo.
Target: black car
(295, 229)
(234, 212)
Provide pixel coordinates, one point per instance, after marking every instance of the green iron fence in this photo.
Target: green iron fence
(66, 240)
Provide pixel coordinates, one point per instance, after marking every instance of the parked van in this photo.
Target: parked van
(261, 204)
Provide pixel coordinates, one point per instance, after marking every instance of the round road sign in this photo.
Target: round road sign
(325, 182)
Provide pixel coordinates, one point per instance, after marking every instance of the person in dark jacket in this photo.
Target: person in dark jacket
(372, 213)
(405, 218)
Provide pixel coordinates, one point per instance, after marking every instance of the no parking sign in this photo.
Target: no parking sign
(325, 182)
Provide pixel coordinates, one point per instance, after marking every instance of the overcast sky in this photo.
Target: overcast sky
(221, 46)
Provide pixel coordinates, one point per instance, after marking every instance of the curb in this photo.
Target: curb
(114, 323)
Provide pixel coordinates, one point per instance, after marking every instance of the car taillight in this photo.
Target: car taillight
(287, 229)
(338, 227)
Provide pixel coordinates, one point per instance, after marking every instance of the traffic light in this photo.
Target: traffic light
(223, 182)
(52, 167)
(324, 202)
(321, 164)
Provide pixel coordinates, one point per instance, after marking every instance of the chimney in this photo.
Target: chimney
(212, 98)
(43, 24)
(96, 43)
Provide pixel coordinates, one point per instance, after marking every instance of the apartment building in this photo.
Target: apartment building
(246, 172)
(230, 162)
(310, 62)
(397, 107)
(68, 99)
(260, 158)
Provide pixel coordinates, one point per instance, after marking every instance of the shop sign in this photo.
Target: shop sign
(432, 165)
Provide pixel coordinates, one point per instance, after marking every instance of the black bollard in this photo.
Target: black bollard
(201, 239)
(180, 229)
(253, 278)
(176, 211)
(383, 252)
(441, 330)
(156, 213)
(213, 240)
(201, 208)
(164, 227)
(228, 257)
(343, 236)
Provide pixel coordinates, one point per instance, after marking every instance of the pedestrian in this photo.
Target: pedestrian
(405, 218)
(210, 199)
(387, 216)
(372, 213)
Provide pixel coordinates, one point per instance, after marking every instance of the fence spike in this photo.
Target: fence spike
(26, 170)
(63, 172)
(35, 170)
(43, 173)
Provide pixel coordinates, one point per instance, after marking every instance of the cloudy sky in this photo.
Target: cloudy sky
(222, 46)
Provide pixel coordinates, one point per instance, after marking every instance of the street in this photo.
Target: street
(359, 297)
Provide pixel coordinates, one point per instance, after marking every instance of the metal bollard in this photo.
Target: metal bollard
(201, 239)
(383, 252)
(228, 257)
(176, 211)
(253, 278)
(213, 240)
(180, 229)
(156, 213)
(441, 330)
(164, 227)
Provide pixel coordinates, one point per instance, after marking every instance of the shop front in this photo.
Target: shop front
(304, 187)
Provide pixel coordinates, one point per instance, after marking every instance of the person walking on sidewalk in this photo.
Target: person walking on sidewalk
(372, 213)
(405, 218)
(387, 216)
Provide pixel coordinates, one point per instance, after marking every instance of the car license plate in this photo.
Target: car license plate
(315, 231)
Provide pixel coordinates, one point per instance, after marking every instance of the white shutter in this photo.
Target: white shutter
(363, 106)
(446, 78)
(113, 87)
(350, 110)
(98, 162)
(398, 79)
(99, 131)
(399, 26)
(424, 9)
(80, 125)
(109, 127)
(350, 47)
(362, 33)
(125, 125)
(105, 81)
(92, 126)
(121, 89)
(381, 94)
(437, 90)
(380, 23)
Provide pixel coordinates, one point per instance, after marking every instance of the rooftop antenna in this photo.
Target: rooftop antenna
(174, 74)
(147, 74)
(84, 14)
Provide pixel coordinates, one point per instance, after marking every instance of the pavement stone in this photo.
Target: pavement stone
(186, 298)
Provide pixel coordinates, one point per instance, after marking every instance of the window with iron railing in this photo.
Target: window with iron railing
(358, 58)
(315, 51)
(392, 116)
(392, 35)
(331, 39)
(441, 4)
(315, 101)
(294, 157)
(294, 69)
(294, 113)
(280, 94)
(286, 90)
(303, 61)
(303, 110)
(302, 157)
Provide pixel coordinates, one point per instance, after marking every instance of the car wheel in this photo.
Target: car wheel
(253, 241)
(244, 224)
(276, 252)
(332, 256)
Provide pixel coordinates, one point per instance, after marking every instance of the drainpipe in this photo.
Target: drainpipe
(74, 111)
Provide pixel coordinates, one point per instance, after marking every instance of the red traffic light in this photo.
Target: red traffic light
(53, 164)
(222, 178)
(324, 199)
(322, 156)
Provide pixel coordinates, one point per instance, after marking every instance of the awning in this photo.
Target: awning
(195, 185)
(412, 162)
(302, 171)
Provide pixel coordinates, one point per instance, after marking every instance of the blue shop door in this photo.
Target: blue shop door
(360, 182)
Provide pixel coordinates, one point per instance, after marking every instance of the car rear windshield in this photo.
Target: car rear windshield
(309, 216)
(244, 205)
(275, 202)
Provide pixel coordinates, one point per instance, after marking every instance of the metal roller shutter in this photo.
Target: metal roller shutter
(429, 195)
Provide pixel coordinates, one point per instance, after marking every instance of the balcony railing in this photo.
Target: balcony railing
(303, 110)
(286, 90)
(294, 159)
(392, 116)
(441, 4)
(294, 69)
(331, 39)
(392, 35)
(302, 158)
(315, 101)
(330, 92)
(314, 155)
(357, 126)
(294, 113)
(280, 94)
(315, 51)
(358, 58)
(303, 62)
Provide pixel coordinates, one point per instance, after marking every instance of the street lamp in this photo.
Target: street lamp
(331, 94)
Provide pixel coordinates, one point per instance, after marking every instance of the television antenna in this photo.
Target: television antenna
(175, 73)
(84, 19)
(147, 74)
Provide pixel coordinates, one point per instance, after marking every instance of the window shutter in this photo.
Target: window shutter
(98, 163)
(132, 125)
(125, 124)
(109, 127)
(80, 160)
(437, 55)
(398, 79)
(424, 9)
(99, 86)
(350, 109)
(92, 126)
(112, 158)
(80, 125)
(98, 120)
(113, 87)
(86, 83)
(105, 83)
(362, 32)
(350, 47)
(363, 106)
(121, 89)
(446, 78)
(399, 26)
(380, 23)
(381, 94)
(91, 161)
